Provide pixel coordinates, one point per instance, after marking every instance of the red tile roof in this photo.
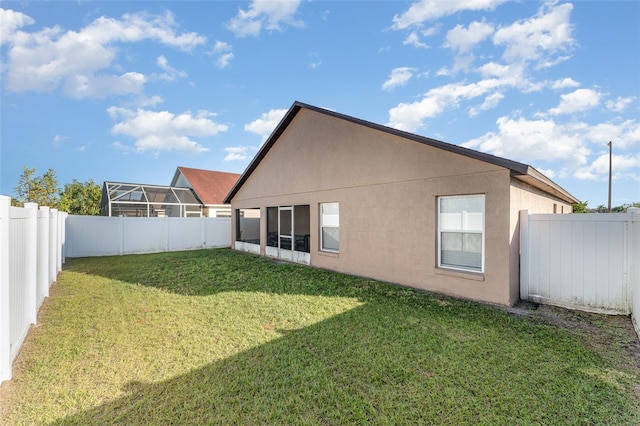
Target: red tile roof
(211, 186)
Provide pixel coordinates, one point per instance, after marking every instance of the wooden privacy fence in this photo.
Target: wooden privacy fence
(31, 255)
(108, 236)
(582, 261)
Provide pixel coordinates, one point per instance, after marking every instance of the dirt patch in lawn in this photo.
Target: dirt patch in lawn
(604, 333)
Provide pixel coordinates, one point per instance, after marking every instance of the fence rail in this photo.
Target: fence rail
(31, 255)
(107, 236)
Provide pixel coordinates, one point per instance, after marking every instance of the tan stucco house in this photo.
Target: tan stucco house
(340, 193)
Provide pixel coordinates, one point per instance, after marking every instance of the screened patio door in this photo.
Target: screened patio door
(285, 232)
(288, 233)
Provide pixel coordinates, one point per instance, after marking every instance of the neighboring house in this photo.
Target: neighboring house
(192, 193)
(344, 194)
(210, 186)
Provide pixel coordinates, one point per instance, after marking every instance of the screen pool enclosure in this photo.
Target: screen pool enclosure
(137, 200)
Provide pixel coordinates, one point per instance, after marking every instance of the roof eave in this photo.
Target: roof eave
(280, 128)
(538, 180)
(518, 170)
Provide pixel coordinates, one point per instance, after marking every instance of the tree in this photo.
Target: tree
(623, 208)
(580, 207)
(43, 189)
(82, 198)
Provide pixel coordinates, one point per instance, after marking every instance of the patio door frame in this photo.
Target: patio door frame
(289, 254)
(286, 254)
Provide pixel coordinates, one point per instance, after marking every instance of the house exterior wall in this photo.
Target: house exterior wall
(526, 197)
(387, 187)
(217, 210)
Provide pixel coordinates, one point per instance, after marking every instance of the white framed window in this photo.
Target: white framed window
(461, 232)
(330, 227)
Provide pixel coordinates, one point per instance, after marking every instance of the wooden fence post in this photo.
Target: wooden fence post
(5, 316)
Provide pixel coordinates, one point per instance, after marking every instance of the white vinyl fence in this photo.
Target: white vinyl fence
(582, 261)
(108, 236)
(31, 255)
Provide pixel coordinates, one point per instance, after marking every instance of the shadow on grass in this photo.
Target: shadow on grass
(403, 356)
(357, 368)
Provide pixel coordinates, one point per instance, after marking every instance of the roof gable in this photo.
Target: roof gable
(518, 170)
(210, 186)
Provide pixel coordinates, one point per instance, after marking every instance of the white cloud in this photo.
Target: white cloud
(11, 21)
(511, 74)
(264, 14)
(536, 38)
(428, 10)
(414, 40)
(620, 104)
(463, 39)
(533, 140)
(410, 116)
(239, 153)
(124, 149)
(267, 122)
(152, 101)
(170, 73)
(622, 166)
(490, 102)
(57, 139)
(551, 174)
(223, 52)
(155, 131)
(463, 63)
(577, 101)
(565, 83)
(224, 60)
(568, 144)
(80, 61)
(135, 27)
(398, 77)
(101, 86)
(624, 134)
(551, 62)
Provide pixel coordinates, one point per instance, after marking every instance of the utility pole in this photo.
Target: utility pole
(609, 206)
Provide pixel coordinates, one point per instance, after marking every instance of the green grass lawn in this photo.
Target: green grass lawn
(221, 337)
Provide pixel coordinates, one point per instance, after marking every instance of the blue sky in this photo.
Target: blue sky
(128, 91)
